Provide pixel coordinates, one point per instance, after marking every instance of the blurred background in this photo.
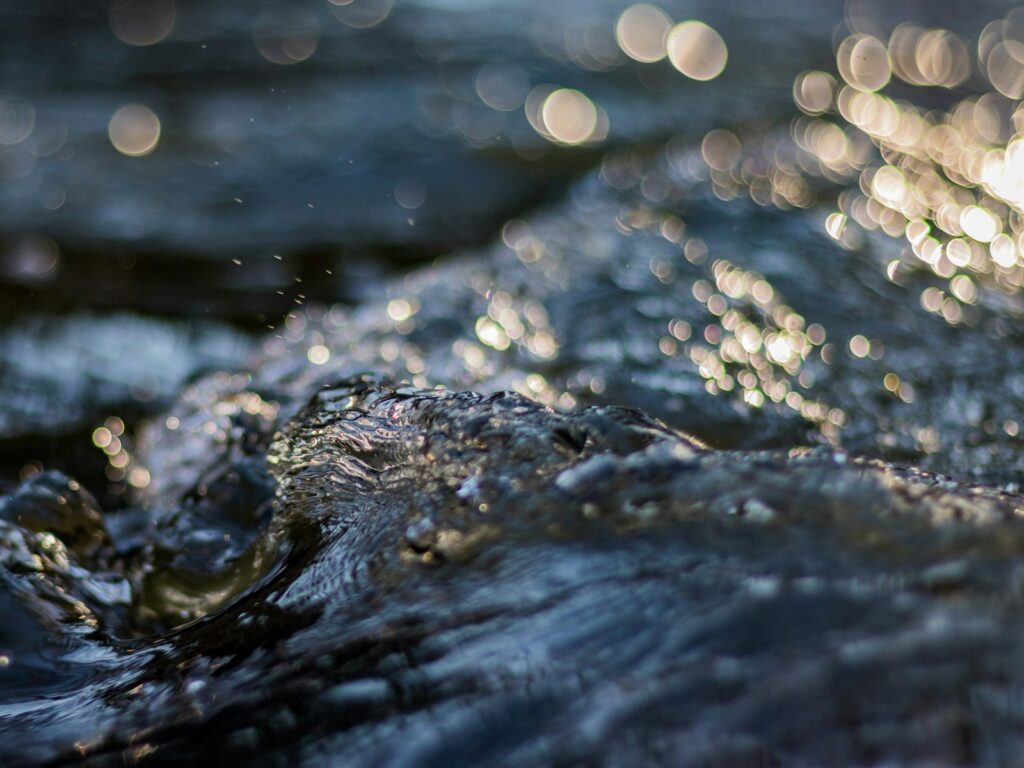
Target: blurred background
(176, 174)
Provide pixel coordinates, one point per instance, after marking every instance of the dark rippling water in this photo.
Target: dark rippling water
(454, 382)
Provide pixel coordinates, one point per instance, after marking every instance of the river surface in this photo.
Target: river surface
(469, 383)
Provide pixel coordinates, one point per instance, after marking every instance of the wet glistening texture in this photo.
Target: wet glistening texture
(713, 460)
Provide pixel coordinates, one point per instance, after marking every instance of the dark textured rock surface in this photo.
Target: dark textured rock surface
(647, 480)
(392, 573)
(480, 580)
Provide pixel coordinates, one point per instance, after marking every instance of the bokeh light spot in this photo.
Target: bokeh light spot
(286, 35)
(641, 32)
(721, 149)
(17, 119)
(410, 193)
(569, 116)
(134, 130)
(863, 62)
(980, 223)
(318, 354)
(813, 92)
(1005, 68)
(697, 50)
(142, 22)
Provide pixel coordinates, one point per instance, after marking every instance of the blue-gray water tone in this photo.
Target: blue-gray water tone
(511, 384)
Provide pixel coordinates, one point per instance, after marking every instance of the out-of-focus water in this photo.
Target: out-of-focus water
(702, 449)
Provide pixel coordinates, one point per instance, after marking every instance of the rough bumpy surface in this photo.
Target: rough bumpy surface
(654, 478)
(479, 579)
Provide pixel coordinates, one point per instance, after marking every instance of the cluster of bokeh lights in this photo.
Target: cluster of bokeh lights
(945, 182)
(288, 34)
